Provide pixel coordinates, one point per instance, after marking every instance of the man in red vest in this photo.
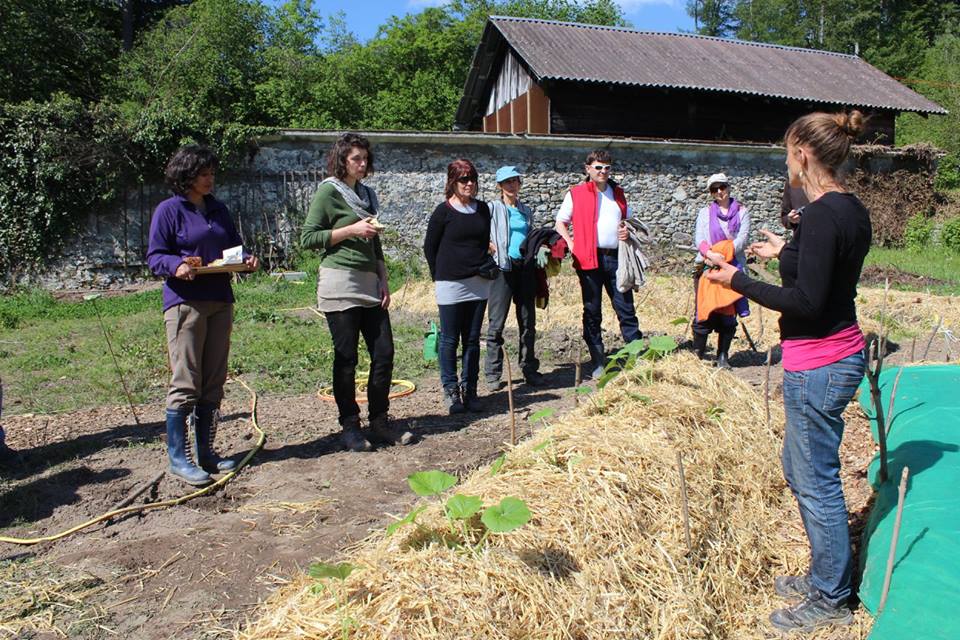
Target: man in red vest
(597, 208)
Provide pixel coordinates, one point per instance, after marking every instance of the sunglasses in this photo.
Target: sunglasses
(466, 179)
(718, 187)
(602, 167)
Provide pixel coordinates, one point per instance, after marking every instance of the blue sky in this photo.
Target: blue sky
(364, 16)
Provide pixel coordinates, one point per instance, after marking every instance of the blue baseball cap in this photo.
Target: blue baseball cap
(505, 173)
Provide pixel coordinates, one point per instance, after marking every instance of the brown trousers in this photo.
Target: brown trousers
(198, 341)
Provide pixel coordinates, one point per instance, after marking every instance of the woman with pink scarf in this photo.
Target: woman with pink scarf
(724, 219)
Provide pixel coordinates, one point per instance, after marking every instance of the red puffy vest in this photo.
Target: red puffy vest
(584, 221)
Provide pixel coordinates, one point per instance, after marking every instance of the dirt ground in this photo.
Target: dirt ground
(198, 570)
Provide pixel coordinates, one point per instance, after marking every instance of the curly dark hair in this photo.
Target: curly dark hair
(337, 156)
(186, 164)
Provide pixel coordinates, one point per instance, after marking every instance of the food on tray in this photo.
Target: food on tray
(217, 262)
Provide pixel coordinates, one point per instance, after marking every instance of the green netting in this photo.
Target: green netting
(924, 435)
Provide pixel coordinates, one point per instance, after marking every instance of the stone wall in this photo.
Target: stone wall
(664, 182)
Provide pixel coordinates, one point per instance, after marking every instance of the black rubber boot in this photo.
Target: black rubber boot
(384, 432)
(352, 436)
(700, 344)
(451, 398)
(724, 340)
(470, 400)
(598, 361)
(180, 465)
(207, 458)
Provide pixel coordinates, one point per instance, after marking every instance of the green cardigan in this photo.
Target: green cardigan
(329, 211)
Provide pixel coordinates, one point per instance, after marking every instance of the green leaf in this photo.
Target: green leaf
(497, 465)
(510, 514)
(662, 344)
(543, 445)
(542, 414)
(461, 507)
(321, 570)
(430, 483)
(635, 347)
(677, 321)
(605, 378)
(410, 518)
(583, 390)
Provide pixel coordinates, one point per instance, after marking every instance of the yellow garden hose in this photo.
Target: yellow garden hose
(408, 387)
(166, 503)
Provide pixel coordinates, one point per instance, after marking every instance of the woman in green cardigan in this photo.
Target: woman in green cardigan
(352, 290)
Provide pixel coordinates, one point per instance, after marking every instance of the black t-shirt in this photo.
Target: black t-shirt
(819, 269)
(456, 244)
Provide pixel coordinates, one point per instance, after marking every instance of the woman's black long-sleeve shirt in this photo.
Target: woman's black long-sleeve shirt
(819, 269)
(456, 244)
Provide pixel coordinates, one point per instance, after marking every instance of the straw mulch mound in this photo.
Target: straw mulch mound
(667, 298)
(605, 554)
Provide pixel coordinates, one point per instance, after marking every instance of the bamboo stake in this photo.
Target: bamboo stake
(513, 417)
(913, 349)
(685, 502)
(901, 494)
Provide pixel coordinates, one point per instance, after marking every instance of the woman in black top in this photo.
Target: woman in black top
(457, 248)
(823, 358)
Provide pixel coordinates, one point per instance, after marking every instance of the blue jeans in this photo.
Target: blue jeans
(460, 322)
(592, 284)
(814, 401)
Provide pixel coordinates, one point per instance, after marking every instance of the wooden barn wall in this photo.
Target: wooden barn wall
(578, 108)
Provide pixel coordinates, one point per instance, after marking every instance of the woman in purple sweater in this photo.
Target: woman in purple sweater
(823, 358)
(197, 309)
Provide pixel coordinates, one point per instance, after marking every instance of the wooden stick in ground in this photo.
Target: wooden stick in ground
(893, 396)
(577, 375)
(138, 491)
(913, 349)
(685, 502)
(901, 493)
(874, 366)
(760, 319)
(766, 385)
(883, 319)
(513, 418)
(116, 363)
(749, 339)
(933, 334)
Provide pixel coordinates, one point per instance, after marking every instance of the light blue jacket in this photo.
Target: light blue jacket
(500, 230)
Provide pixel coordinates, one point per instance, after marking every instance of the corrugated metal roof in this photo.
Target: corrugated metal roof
(589, 53)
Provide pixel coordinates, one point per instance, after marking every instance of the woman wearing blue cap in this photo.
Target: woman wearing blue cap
(510, 223)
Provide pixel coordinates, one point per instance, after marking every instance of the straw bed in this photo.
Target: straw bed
(605, 553)
(666, 298)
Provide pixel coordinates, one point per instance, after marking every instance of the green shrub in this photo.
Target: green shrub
(917, 233)
(948, 173)
(950, 234)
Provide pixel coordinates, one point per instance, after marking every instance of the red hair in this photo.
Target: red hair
(457, 169)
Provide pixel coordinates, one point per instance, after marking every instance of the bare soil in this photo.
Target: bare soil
(198, 570)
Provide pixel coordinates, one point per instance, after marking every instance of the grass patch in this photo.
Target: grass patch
(931, 262)
(53, 356)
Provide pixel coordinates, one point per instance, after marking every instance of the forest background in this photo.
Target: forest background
(95, 94)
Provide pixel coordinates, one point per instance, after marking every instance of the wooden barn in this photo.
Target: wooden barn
(544, 77)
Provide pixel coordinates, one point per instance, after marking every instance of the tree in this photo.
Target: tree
(50, 46)
(939, 80)
(712, 17)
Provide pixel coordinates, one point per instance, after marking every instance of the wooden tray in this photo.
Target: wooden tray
(223, 268)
